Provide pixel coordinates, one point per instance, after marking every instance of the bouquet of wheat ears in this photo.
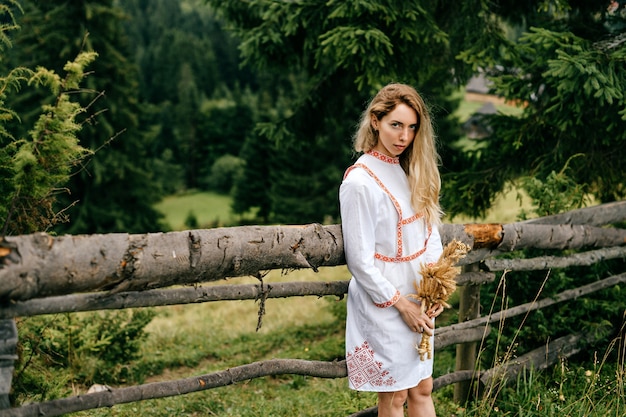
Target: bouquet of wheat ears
(437, 284)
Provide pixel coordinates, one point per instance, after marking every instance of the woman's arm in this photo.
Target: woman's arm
(359, 199)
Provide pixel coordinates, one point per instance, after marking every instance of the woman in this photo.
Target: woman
(390, 215)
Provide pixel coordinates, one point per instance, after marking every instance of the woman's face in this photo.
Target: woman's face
(396, 130)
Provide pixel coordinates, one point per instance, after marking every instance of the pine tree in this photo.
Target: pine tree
(337, 54)
(188, 66)
(562, 61)
(36, 167)
(115, 189)
(566, 69)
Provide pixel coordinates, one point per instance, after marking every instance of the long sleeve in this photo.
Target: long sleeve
(359, 198)
(434, 247)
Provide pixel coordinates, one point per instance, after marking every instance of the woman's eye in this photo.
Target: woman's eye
(395, 124)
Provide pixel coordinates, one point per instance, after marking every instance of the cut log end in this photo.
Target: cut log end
(486, 236)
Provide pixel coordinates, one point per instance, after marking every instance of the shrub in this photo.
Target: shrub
(82, 348)
(223, 173)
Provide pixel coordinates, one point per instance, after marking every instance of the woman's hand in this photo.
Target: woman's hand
(434, 311)
(413, 316)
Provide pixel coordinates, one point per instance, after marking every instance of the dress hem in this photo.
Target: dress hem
(391, 389)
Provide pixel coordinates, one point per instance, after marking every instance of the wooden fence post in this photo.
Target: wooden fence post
(8, 346)
(469, 308)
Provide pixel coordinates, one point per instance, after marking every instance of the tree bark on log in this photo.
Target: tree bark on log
(600, 215)
(135, 393)
(454, 377)
(547, 236)
(535, 305)
(200, 294)
(188, 295)
(49, 266)
(474, 278)
(368, 412)
(113, 396)
(40, 265)
(548, 262)
(445, 337)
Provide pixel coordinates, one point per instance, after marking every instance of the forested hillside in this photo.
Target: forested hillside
(259, 99)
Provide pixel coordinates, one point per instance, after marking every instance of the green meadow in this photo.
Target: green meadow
(207, 207)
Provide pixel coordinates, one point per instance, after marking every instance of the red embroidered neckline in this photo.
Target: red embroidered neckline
(384, 158)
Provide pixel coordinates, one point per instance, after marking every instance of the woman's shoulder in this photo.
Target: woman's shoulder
(359, 184)
(357, 174)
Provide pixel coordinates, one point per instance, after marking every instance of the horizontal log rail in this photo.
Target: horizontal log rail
(608, 213)
(40, 265)
(548, 262)
(201, 294)
(186, 295)
(537, 359)
(113, 396)
(518, 236)
(42, 274)
(536, 305)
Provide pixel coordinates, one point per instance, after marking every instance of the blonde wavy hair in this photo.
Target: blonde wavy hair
(420, 160)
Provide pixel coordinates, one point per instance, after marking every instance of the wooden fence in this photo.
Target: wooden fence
(42, 274)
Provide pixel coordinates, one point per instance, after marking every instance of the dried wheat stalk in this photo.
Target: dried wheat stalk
(437, 285)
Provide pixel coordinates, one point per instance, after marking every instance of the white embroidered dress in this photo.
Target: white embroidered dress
(385, 242)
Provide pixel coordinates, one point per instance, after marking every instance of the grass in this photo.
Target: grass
(210, 210)
(195, 339)
(190, 340)
(505, 209)
(217, 336)
(573, 391)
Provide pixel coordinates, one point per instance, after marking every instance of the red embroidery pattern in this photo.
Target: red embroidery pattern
(363, 368)
(401, 222)
(391, 302)
(412, 219)
(384, 158)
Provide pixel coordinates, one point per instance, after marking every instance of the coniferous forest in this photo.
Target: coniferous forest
(259, 99)
(109, 106)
